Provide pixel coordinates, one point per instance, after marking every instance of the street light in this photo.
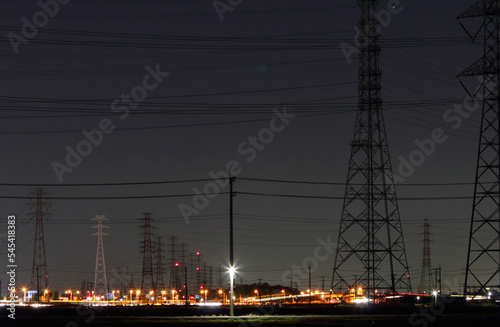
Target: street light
(173, 295)
(232, 271)
(204, 294)
(223, 296)
(151, 296)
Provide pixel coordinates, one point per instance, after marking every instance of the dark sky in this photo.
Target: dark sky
(225, 79)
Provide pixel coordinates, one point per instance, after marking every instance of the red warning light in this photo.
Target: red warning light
(197, 253)
(197, 268)
(177, 264)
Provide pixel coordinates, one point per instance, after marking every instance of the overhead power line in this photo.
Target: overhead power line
(302, 196)
(287, 181)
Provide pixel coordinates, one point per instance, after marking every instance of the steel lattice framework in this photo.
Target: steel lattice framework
(39, 210)
(100, 280)
(147, 250)
(370, 240)
(483, 258)
(426, 285)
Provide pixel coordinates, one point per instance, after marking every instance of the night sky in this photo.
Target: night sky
(225, 78)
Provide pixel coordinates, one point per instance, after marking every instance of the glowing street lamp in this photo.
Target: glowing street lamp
(232, 272)
(151, 295)
(163, 293)
(204, 292)
(256, 294)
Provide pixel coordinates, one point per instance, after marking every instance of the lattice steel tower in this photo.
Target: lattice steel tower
(483, 258)
(147, 251)
(39, 210)
(100, 280)
(426, 284)
(370, 241)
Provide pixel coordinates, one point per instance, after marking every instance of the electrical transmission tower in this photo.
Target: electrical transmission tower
(147, 250)
(483, 258)
(370, 240)
(426, 276)
(39, 210)
(100, 281)
(159, 282)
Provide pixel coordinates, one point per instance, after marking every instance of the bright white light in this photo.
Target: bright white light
(210, 304)
(362, 300)
(232, 271)
(435, 293)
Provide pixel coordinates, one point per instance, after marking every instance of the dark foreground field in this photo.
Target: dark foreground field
(254, 316)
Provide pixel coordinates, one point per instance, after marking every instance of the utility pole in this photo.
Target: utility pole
(186, 283)
(440, 280)
(37, 285)
(174, 273)
(310, 290)
(231, 251)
